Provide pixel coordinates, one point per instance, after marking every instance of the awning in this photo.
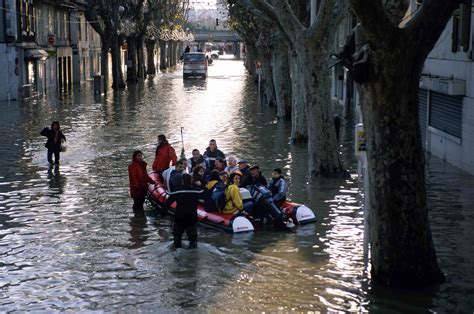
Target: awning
(36, 54)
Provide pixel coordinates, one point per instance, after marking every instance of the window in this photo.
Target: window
(461, 35)
(446, 113)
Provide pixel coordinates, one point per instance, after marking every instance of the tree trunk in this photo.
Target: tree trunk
(150, 51)
(402, 249)
(104, 63)
(299, 129)
(250, 58)
(163, 57)
(170, 54)
(323, 147)
(281, 79)
(132, 61)
(141, 59)
(116, 65)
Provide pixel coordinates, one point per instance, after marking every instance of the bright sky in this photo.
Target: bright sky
(203, 4)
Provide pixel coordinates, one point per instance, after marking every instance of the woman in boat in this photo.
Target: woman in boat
(233, 199)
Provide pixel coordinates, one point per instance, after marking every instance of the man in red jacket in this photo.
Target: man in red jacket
(139, 180)
(164, 155)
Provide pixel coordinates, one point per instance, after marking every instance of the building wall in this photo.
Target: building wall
(458, 65)
(8, 77)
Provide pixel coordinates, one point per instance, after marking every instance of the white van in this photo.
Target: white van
(195, 64)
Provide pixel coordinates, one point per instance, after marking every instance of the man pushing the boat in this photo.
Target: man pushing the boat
(185, 217)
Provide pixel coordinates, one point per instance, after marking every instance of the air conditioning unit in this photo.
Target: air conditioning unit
(444, 85)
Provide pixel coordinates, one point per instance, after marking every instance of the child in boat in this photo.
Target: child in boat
(185, 217)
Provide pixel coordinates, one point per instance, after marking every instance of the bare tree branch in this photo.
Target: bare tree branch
(425, 27)
(374, 19)
(288, 24)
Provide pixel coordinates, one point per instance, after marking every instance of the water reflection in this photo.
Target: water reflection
(138, 232)
(67, 242)
(56, 182)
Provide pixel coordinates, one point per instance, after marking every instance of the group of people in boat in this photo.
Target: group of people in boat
(190, 179)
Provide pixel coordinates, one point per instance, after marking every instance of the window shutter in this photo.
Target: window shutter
(466, 24)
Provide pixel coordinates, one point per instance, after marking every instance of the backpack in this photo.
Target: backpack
(218, 199)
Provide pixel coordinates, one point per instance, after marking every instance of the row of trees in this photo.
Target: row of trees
(294, 52)
(145, 26)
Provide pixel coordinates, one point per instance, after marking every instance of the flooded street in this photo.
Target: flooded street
(67, 241)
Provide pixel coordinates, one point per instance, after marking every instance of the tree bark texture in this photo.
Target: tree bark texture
(163, 55)
(250, 57)
(402, 250)
(281, 79)
(117, 73)
(299, 127)
(104, 63)
(150, 52)
(141, 60)
(323, 147)
(132, 77)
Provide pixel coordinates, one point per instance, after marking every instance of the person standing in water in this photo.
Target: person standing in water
(139, 180)
(53, 144)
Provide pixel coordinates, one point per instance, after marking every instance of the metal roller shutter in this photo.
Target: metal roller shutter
(446, 113)
(422, 112)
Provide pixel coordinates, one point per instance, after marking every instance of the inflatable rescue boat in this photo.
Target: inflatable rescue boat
(299, 214)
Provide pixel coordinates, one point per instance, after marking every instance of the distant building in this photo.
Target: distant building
(47, 45)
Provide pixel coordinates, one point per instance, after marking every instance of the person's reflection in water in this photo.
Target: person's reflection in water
(185, 271)
(138, 232)
(56, 180)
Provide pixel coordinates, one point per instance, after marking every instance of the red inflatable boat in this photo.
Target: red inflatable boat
(157, 195)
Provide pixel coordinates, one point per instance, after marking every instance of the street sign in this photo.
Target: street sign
(51, 39)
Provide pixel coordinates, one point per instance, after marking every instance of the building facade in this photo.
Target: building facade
(446, 96)
(47, 46)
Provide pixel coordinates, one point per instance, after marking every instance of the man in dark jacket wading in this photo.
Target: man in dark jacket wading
(185, 217)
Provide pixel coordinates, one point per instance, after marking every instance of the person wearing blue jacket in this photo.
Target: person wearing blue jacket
(278, 187)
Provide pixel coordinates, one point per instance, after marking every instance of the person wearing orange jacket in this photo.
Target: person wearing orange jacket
(139, 180)
(164, 155)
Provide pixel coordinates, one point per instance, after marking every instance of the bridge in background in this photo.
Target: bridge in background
(215, 36)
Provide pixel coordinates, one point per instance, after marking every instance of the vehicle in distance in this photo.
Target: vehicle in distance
(194, 65)
(215, 54)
